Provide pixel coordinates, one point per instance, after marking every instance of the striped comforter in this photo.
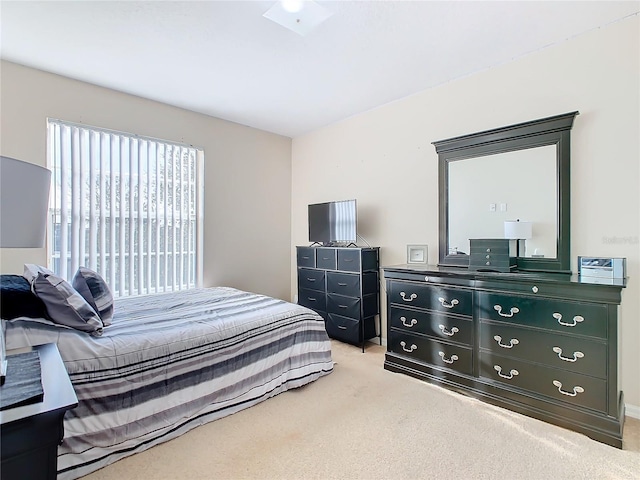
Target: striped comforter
(171, 362)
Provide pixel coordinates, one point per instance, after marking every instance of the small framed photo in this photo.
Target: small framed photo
(417, 254)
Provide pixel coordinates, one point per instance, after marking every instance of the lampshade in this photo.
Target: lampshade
(515, 229)
(24, 199)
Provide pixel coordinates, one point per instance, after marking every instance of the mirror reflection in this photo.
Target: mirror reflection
(485, 192)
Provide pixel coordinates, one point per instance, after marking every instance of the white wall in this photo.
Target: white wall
(385, 159)
(247, 171)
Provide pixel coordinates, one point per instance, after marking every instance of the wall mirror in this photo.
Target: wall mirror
(515, 173)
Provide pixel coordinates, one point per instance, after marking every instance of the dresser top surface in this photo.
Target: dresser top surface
(454, 272)
(338, 247)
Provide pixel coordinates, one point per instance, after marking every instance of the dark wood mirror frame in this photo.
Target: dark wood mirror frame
(537, 133)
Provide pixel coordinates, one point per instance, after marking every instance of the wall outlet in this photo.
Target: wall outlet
(503, 207)
(492, 207)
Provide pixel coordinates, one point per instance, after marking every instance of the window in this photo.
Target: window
(126, 206)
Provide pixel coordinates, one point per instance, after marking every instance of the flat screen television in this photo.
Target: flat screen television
(333, 222)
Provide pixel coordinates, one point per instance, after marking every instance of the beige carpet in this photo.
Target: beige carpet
(362, 422)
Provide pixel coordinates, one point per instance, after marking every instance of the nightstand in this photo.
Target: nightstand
(31, 433)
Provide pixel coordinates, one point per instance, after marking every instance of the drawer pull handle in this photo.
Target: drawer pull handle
(451, 360)
(576, 320)
(404, 322)
(488, 249)
(411, 298)
(343, 306)
(410, 349)
(348, 259)
(576, 355)
(305, 258)
(342, 327)
(534, 289)
(512, 311)
(488, 257)
(576, 390)
(444, 303)
(512, 373)
(449, 333)
(512, 342)
(311, 279)
(311, 299)
(342, 284)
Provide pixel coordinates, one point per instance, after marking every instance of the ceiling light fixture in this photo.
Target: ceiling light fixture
(292, 6)
(300, 16)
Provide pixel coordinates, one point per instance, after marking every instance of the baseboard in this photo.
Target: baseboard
(632, 411)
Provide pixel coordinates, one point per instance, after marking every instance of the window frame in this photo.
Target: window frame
(133, 289)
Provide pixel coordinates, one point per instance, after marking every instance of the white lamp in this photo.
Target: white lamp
(24, 199)
(517, 230)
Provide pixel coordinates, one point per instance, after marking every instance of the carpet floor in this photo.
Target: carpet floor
(363, 422)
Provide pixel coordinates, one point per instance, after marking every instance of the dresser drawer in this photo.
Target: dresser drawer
(569, 317)
(343, 283)
(311, 279)
(501, 262)
(312, 299)
(437, 353)
(343, 328)
(349, 260)
(489, 245)
(326, 258)
(306, 256)
(576, 354)
(569, 387)
(432, 297)
(437, 325)
(350, 306)
(348, 329)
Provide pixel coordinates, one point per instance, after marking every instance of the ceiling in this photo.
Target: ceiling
(224, 59)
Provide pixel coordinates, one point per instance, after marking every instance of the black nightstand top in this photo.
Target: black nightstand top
(58, 391)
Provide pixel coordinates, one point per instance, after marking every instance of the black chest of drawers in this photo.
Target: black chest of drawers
(541, 345)
(342, 285)
(491, 255)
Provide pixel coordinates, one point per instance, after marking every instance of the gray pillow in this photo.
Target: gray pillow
(31, 271)
(66, 306)
(96, 292)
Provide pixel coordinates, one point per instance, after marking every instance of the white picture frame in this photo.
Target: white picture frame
(417, 254)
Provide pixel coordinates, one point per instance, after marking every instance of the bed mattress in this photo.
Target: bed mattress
(173, 361)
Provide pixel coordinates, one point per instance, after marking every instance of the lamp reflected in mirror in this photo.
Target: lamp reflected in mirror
(519, 232)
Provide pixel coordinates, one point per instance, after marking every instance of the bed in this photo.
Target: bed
(173, 361)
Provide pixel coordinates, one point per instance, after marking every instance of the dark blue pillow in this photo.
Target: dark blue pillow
(17, 299)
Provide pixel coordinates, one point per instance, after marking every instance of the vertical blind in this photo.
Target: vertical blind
(127, 207)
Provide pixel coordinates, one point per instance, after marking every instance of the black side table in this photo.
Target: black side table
(30, 434)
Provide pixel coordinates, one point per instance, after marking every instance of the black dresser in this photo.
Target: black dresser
(544, 345)
(342, 285)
